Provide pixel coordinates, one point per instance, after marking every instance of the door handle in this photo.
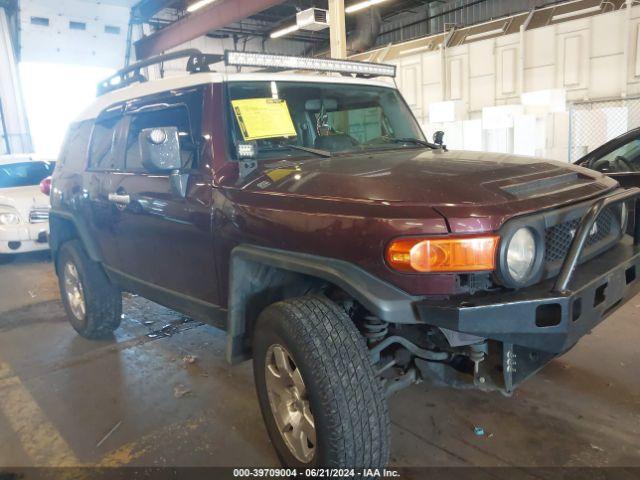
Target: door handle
(120, 199)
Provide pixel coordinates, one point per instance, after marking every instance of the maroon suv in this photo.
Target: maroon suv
(346, 255)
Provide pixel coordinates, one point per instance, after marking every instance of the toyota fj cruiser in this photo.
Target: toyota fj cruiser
(345, 254)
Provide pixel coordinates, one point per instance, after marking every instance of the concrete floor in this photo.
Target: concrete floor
(60, 396)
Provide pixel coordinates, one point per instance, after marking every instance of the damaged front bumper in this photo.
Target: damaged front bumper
(536, 324)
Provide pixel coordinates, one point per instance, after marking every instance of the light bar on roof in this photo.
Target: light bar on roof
(248, 59)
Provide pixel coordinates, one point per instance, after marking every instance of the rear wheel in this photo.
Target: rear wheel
(93, 304)
(320, 399)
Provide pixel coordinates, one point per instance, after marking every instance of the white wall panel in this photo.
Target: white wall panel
(606, 74)
(582, 58)
(455, 82)
(58, 43)
(571, 64)
(636, 53)
(411, 82)
(607, 38)
(482, 92)
(479, 52)
(508, 71)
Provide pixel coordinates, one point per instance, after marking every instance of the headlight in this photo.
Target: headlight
(9, 217)
(521, 254)
(624, 217)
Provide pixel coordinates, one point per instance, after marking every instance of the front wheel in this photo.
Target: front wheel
(321, 401)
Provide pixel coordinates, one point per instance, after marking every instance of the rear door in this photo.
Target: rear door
(164, 239)
(105, 160)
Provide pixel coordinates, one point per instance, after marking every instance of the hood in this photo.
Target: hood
(24, 199)
(458, 184)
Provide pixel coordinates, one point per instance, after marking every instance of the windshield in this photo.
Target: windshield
(24, 174)
(275, 117)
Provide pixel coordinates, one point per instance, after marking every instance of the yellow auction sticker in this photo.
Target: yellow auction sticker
(263, 118)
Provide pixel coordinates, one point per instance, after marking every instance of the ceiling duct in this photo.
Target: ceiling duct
(368, 26)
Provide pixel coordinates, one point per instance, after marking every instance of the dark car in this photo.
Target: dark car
(619, 158)
(347, 256)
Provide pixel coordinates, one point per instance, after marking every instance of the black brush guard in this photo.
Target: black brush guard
(537, 323)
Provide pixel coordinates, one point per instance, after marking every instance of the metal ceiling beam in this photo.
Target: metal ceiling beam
(200, 23)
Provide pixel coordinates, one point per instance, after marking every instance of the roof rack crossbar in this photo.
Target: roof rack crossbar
(197, 62)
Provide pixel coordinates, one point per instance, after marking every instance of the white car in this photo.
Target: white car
(24, 206)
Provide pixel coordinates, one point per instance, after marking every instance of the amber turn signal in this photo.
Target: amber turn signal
(445, 254)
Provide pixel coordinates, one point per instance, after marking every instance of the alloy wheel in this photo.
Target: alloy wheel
(74, 290)
(289, 403)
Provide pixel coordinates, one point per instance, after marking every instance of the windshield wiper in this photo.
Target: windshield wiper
(417, 141)
(315, 151)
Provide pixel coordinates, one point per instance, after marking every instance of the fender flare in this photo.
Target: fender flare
(248, 274)
(81, 229)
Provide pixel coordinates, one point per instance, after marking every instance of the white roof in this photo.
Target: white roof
(138, 90)
(22, 158)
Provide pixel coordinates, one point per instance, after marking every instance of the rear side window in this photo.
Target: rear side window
(103, 155)
(178, 117)
(74, 151)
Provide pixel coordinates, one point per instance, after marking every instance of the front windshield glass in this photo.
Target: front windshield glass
(24, 174)
(275, 117)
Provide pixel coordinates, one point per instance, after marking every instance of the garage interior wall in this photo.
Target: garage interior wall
(14, 128)
(514, 93)
(67, 47)
(76, 32)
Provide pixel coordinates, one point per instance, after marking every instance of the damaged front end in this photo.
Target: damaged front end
(495, 340)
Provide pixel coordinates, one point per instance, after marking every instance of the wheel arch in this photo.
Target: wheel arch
(260, 276)
(63, 227)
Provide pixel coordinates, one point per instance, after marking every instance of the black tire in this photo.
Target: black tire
(4, 259)
(102, 300)
(346, 399)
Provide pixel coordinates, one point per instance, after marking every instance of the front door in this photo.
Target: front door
(164, 236)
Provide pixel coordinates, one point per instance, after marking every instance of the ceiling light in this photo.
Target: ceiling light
(284, 31)
(575, 13)
(356, 7)
(489, 33)
(199, 4)
(409, 51)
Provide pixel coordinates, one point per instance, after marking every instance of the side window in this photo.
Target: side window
(74, 150)
(625, 158)
(177, 117)
(103, 145)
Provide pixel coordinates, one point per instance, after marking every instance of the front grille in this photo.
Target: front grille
(39, 215)
(558, 238)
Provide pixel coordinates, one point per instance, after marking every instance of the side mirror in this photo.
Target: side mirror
(438, 137)
(160, 149)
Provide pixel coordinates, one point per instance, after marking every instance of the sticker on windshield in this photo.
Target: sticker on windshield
(263, 118)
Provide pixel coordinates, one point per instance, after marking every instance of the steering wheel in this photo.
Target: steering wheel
(626, 165)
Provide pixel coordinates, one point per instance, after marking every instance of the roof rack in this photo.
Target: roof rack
(197, 62)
